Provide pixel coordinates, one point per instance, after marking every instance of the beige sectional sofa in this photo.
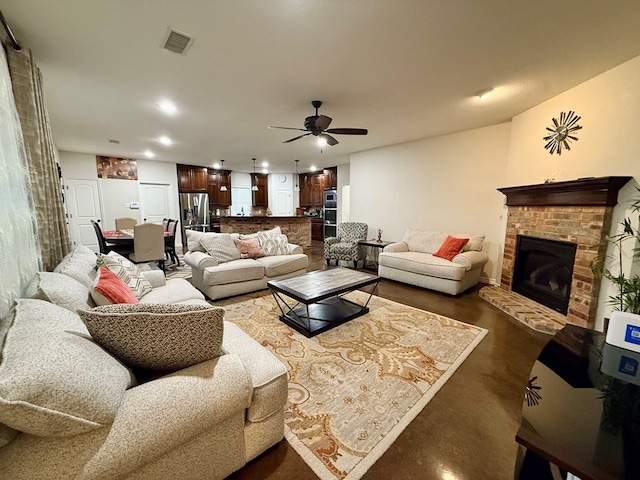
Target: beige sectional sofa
(71, 409)
(243, 275)
(412, 261)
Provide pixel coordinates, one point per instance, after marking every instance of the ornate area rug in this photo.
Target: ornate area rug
(353, 389)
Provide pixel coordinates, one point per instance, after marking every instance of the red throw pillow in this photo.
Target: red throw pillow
(250, 248)
(451, 247)
(110, 288)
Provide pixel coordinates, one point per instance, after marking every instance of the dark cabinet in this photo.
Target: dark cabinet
(316, 229)
(311, 189)
(260, 197)
(216, 179)
(192, 178)
(331, 178)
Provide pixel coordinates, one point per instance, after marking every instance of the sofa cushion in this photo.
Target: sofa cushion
(127, 271)
(6, 434)
(79, 264)
(175, 290)
(63, 290)
(157, 336)
(474, 244)
(54, 379)
(423, 241)
(423, 264)
(110, 288)
(249, 248)
(241, 270)
(283, 264)
(276, 230)
(268, 374)
(194, 237)
(451, 247)
(221, 248)
(274, 243)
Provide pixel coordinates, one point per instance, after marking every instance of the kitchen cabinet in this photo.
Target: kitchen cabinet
(311, 189)
(260, 197)
(192, 178)
(331, 178)
(215, 180)
(316, 229)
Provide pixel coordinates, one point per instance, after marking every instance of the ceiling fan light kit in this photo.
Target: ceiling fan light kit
(317, 125)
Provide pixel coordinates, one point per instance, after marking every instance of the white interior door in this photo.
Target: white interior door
(83, 205)
(154, 202)
(283, 202)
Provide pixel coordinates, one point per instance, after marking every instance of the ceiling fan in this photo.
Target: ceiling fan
(317, 125)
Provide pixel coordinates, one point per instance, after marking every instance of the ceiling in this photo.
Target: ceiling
(403, 69)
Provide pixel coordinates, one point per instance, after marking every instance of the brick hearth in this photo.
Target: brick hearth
(577, 211)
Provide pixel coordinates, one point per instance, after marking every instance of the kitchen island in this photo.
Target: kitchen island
(296, 228)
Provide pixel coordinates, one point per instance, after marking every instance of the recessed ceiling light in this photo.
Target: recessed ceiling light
(484, 93)
(265, 164)
(168, 107)
(149, 154)
(265, 170)
(165, 140)
(313, 168)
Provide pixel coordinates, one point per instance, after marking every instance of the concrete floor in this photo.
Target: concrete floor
(468, 429)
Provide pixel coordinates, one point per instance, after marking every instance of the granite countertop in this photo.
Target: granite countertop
(239, 217)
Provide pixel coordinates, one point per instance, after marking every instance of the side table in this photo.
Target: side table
(372, 249)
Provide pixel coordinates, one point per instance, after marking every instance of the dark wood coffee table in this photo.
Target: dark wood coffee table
(319, 298)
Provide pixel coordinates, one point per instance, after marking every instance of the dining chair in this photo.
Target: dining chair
(170, 241)
(125, 223)
(148, 244)
(106, 247)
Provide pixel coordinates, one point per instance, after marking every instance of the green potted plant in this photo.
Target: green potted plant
(627, 296)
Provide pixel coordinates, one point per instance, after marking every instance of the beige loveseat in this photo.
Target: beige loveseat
(242, 275)
(412, 261)
(70, 409)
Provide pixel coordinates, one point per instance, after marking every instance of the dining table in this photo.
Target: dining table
(124, 236)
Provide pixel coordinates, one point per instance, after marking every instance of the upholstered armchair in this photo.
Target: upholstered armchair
(345, 246)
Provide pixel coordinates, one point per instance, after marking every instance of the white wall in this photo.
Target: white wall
(607, 145)
(446, 183)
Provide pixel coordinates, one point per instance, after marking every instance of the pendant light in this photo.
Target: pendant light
(296, 188)
(254, 187)
(223, 187)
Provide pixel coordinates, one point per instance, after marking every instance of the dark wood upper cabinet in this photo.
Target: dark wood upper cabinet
(330, 178)
(216, 179)
(260, 197)
(192, 178)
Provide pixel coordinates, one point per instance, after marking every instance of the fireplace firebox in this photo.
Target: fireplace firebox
(543, 271)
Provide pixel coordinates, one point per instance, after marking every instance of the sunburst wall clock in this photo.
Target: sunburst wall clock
(562, 132)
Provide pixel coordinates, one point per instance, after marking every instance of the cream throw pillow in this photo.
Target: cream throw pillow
(221, 247)
(157, 336)
(274, 243)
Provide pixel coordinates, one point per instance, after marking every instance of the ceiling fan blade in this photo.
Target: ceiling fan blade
(348, 131)
(296, 138)
(322, 122)
(289, 128)
(329, 139)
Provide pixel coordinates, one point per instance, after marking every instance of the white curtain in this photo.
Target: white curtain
(19, 252)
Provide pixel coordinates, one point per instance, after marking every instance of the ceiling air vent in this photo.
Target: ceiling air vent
(177, 42)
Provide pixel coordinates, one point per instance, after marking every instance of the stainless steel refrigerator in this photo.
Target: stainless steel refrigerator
(194, 211)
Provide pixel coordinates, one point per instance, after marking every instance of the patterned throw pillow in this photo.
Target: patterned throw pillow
(157, 336)
(127, 271)
(274, 243)
(222, 248)
(250, 248)
(110, 288)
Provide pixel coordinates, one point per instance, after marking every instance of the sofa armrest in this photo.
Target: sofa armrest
(396, 247)
(159, 416)
(155, 277)
(471, 259)
(331, 240)
(199, 260)
(293, 249)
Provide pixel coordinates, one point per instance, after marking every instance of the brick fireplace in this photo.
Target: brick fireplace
(577, 211)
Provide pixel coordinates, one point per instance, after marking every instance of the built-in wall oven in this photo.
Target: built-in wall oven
(330, 216)
(330, 198)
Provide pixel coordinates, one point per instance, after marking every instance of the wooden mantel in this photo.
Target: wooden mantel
(602, 191)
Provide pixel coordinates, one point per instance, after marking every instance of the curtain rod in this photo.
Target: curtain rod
(14, 43)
